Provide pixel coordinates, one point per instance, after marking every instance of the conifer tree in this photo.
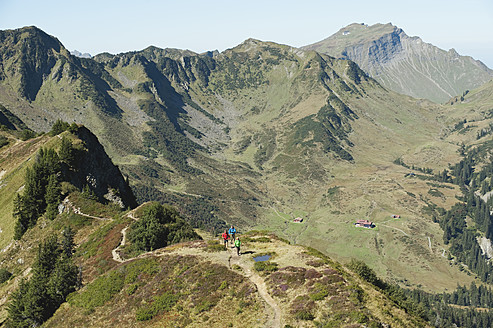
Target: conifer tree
(67, 151)
(52, 197)
(54, 277)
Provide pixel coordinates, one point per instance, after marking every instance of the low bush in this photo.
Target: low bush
(214, 246)
(4, 275)
(99, 292)
(265, 266)
(161, 303)
(319, 292)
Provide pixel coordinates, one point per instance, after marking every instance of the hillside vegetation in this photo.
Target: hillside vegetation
(253, 136)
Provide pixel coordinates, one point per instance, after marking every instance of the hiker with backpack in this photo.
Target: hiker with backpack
(225, 238)
(232, 234)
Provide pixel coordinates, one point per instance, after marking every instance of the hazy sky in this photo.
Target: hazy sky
(200, 25)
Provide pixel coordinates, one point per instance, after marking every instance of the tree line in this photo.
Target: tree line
(42, 191)
(54, 276)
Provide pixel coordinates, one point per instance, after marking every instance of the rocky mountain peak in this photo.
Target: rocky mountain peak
(405, 64)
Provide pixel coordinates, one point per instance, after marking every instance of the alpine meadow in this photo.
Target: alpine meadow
(356, 170)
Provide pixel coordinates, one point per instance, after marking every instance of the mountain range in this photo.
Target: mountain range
(251, 136)
(405, 64)
(262, 133)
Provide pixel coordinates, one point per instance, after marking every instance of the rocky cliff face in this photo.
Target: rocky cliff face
(405, 64)
(95, 169)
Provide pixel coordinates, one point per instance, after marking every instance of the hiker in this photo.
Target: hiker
(225, 238)
(232, 234)
(238, 245)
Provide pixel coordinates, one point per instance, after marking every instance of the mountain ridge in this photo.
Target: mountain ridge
(405, 64)
(258, 134)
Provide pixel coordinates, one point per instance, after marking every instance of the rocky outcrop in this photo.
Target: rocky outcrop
(486, 247)
(405, 64)
(95, 169)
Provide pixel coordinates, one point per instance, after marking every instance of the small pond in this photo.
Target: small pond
(262, 258)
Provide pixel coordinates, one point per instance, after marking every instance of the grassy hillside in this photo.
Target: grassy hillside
(192, 284)
(257, 135)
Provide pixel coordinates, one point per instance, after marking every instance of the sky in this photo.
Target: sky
(199, 25)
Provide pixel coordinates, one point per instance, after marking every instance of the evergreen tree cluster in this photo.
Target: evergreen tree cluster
(440, 310)
(462, 238)
(159, 226)
(42, 191)
(54, 276)
(425, 170)
(440, 313)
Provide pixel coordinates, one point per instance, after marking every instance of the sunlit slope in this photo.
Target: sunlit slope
(405, 64)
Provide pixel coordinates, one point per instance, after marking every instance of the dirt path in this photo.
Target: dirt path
(68, 204)
(229, 258)
(274, 318)
(395, 229)
(114, 252)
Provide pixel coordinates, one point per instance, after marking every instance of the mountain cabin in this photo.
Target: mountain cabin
(364, 224)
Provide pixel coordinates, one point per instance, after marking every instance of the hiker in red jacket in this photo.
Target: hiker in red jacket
(225, 238)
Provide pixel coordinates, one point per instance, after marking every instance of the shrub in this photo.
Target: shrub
(214, 246)
(100, 291)
(302, 307)
(4, 275)
(305, 315)
(58, 127)
(319, 292)
(223, 285)
(261, 240)
(147, 266)
(27, 134)
(146, 313)
(265, 266)
(3, 141)
(132, 288)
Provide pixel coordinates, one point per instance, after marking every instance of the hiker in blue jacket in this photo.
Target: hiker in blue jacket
(232, 234)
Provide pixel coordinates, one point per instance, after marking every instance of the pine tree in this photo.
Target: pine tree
(52, 197)
(63, 280)
(19, 213)
(67, 151)
(58, 127)
(54, 277)
(68, 244)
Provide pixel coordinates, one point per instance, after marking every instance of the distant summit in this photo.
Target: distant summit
(405, 64)
(77, 53)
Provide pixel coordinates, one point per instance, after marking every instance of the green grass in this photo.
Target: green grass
(99, 292)
(265, 266)
(164, 302)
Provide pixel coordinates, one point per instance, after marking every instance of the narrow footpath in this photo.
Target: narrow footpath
(228, 258)
(274, 319)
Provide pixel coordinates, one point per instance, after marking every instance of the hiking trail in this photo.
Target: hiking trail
(247, 268)
(228, 258)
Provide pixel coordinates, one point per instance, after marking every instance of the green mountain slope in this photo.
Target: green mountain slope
(405, 64)
(255, 136)
(189, 285)
(91, 168)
